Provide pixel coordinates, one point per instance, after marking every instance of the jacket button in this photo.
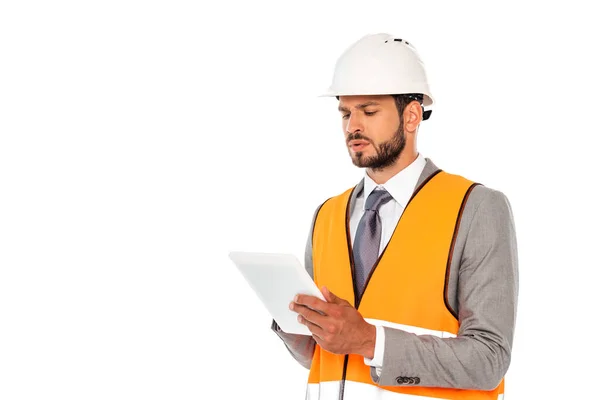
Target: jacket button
(399, 380)
(417, 380)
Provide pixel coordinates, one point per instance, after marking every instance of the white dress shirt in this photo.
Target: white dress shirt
(401, 186)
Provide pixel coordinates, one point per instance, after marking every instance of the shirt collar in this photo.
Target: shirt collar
(402, 185)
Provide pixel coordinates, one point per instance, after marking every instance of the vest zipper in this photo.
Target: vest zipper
(351, 257)
(343, 383)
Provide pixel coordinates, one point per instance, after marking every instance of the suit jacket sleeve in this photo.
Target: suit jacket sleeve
(479, 356)
(301, 347)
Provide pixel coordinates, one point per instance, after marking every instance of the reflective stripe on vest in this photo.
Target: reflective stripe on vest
(360, 391)
(406, 290)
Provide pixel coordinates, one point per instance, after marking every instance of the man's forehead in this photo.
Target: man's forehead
(347, 102)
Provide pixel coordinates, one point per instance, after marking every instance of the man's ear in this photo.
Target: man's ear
(413, 115)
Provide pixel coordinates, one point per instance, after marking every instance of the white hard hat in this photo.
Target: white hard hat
(380, 64)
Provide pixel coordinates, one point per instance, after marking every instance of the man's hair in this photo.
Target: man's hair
(402, 100)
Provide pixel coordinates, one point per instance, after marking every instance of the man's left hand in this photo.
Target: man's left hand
(335, 324)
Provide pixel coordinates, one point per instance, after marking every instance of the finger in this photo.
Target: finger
(296, 307)
(311, 315)
(319, 339)
(332, 298)
(315, 329)
(312, 302)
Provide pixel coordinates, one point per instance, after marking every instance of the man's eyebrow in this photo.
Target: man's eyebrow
(363, 105)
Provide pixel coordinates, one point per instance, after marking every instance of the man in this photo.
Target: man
(418, 266)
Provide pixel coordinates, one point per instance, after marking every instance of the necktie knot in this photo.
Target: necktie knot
(376, 199)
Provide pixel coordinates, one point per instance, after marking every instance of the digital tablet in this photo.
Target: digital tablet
(276, 279)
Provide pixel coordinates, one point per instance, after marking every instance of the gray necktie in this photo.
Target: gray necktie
(368, 237)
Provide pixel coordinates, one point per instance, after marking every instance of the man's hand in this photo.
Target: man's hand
(336, 325)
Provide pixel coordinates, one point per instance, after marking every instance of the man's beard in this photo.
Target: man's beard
(387, 152)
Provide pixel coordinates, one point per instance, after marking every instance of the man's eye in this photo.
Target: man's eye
(345, 116)
(370, 112)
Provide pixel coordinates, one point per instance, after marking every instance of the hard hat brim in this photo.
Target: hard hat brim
(427, 99)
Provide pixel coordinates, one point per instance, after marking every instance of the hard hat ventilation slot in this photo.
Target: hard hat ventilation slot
(399, 40)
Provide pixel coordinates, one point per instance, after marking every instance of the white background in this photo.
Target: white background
(142, 141)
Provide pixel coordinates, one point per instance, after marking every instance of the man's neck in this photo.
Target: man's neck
(381, 176)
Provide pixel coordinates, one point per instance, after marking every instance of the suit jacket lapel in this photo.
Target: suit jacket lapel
(428, 170)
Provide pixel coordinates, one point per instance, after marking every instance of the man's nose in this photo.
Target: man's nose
(354, 124)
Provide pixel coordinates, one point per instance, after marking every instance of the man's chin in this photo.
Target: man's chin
(359, 160)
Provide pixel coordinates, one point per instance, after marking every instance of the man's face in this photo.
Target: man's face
(373, 129)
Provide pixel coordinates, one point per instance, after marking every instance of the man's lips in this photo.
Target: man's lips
(357, 145)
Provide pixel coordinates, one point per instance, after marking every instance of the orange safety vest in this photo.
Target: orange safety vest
(406, 290)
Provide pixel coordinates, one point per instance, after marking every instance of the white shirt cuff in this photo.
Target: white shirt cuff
(377, 360)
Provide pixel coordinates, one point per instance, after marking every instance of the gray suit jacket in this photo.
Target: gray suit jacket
(482, 291)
